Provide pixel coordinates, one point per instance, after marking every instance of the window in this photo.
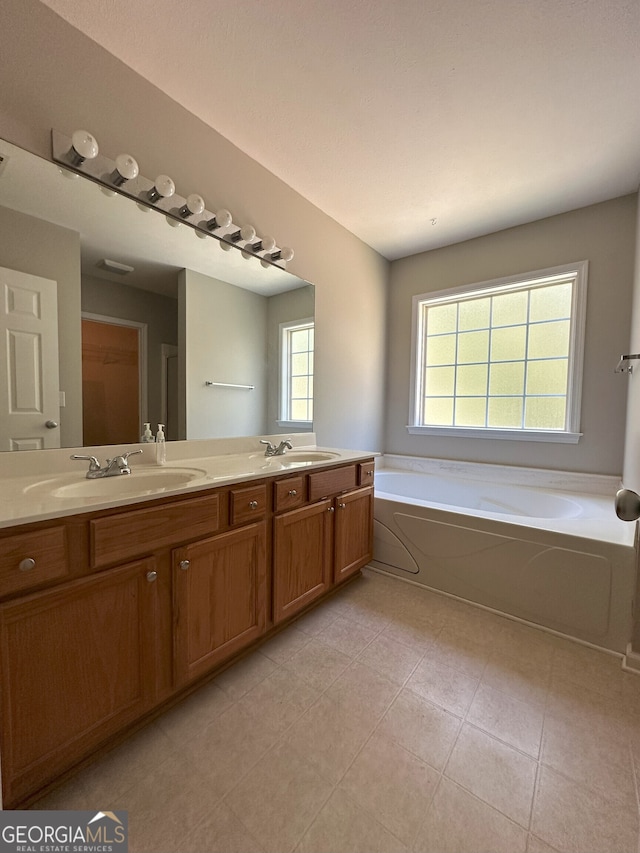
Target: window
(501, 359)
(296, 384)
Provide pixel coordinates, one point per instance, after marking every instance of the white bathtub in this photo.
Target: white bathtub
(560, 559)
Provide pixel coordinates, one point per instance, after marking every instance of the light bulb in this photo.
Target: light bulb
(193, 207)
(286, 254)
(268, 244)
(163, 188)
(126, 170)
(83, 147)
(225, 246)
(222, 219)
(246, 233)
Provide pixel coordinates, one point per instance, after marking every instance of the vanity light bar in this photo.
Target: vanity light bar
(160, 195)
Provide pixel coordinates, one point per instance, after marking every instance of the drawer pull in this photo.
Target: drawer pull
(151, 576)
(184, 565)
(369, 473)
(292, 493)
(253, 504)
(27, 564)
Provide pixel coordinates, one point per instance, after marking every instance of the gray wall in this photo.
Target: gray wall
(631, 473)
(223, 338)
(604, 234)
(160, 313)
(75, 83)
(33, 246)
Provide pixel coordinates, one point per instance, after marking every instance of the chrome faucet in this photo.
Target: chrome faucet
(272, 450)
(113, 468)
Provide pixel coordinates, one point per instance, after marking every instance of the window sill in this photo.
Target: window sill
(557, 436)
(301, 426)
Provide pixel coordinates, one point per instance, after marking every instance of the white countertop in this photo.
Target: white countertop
(31, 497)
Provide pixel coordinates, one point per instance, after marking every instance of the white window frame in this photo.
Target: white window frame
(284, 404)
(571, 434)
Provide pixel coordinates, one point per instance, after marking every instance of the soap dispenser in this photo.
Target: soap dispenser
(161, 447)
(147, 435)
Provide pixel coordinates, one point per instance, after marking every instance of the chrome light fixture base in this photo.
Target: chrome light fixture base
(142, 190)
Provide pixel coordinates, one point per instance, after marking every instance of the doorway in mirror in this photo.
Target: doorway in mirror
(112, 369)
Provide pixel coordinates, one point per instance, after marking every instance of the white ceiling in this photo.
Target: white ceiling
(389, 116)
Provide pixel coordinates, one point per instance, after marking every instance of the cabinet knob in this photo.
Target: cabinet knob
(184, 565)
(151, 576)
(27, 564)
(369, 473)
(292, 493)
(342, 506)
(331, 509)
(253, 504)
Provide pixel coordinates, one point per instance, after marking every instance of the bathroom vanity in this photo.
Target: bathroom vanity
(111, 609)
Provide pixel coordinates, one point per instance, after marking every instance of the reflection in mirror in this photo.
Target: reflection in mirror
(114, 316)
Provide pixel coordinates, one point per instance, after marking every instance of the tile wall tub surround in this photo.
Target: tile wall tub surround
(508, 539)
(407, 740)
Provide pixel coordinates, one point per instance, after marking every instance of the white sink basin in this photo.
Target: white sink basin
(294, 457)
(138, 482)
(305, 457)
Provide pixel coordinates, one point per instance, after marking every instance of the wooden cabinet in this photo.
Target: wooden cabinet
(105, 616)
(77, 665)
(322, 544)
(302, 550)
(353, 532)
(30, 559)
(220, 599)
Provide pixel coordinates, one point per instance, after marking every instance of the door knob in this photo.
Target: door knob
(627, 505)
(51, 424)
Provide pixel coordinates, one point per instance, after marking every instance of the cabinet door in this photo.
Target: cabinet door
(353, 532)
(219, 600)
(77, 665)
(301, 558)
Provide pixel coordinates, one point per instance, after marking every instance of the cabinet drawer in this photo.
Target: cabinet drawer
(289, 493)
(365, 473)
(141, 531)
(248, 504)
(29, 559)
(324, 483)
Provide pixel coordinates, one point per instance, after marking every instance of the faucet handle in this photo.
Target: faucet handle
(94, 465)
(270, 448)
(125, 456)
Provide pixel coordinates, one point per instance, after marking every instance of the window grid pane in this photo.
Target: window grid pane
(528, 336)
(299, 373)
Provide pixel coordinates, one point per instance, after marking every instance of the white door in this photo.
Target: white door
(29, 382)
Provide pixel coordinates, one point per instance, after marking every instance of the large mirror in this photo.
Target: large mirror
(115, 315)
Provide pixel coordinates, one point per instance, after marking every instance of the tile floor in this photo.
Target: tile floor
(389, 719)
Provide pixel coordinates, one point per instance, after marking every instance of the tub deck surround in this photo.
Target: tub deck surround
(29, 479)
(512, 540)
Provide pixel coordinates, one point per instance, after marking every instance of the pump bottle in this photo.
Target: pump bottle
(161, 447)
